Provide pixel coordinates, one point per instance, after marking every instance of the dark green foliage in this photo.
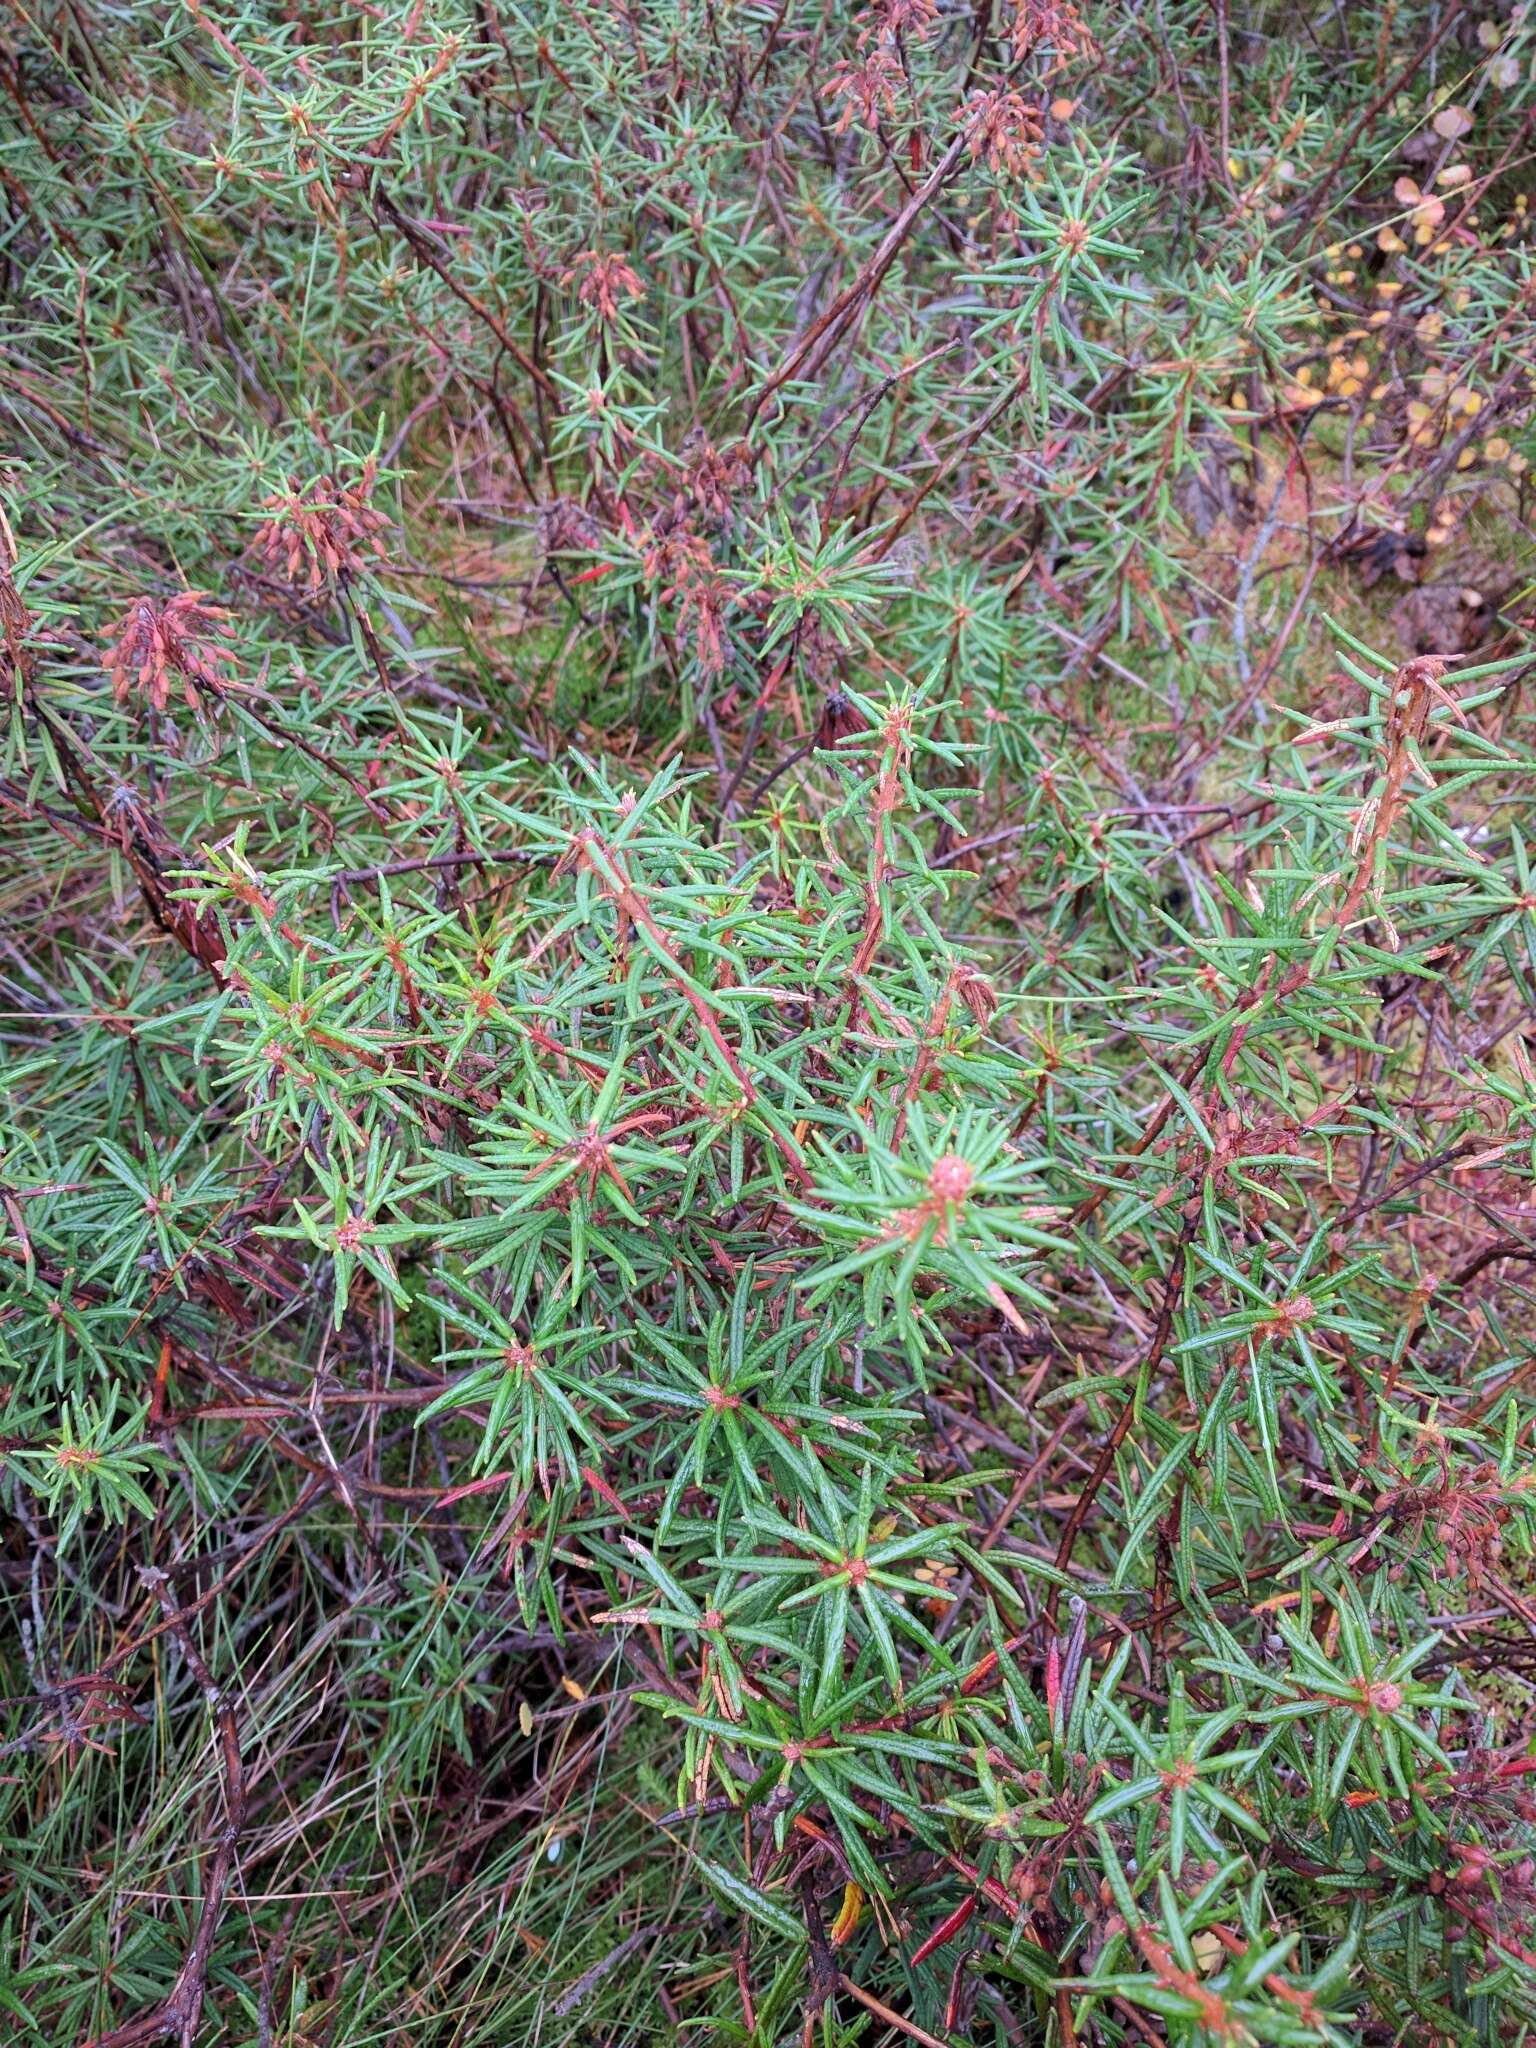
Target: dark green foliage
(768, 1131)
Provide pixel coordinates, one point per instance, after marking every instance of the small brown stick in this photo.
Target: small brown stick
(602, 860)
(1149, 1136)
(824, 1976)
(421, 241)
(821, 336)
(1409, 701)
(1173, 1287)
(881, 2011)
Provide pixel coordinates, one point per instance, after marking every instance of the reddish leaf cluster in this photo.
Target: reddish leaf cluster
(322, 531)
(160, 642)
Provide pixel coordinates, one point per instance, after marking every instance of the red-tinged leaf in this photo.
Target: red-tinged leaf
(956, 1984)
(162, 1374)
(493, 1479)
(978, 1674)
(989, 1887)
(600, 1486)
(1006, 1309)
(946, 1930)
(776, 676)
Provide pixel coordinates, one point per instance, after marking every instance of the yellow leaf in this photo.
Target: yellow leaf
(1209, 1953)
(848, 1914)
